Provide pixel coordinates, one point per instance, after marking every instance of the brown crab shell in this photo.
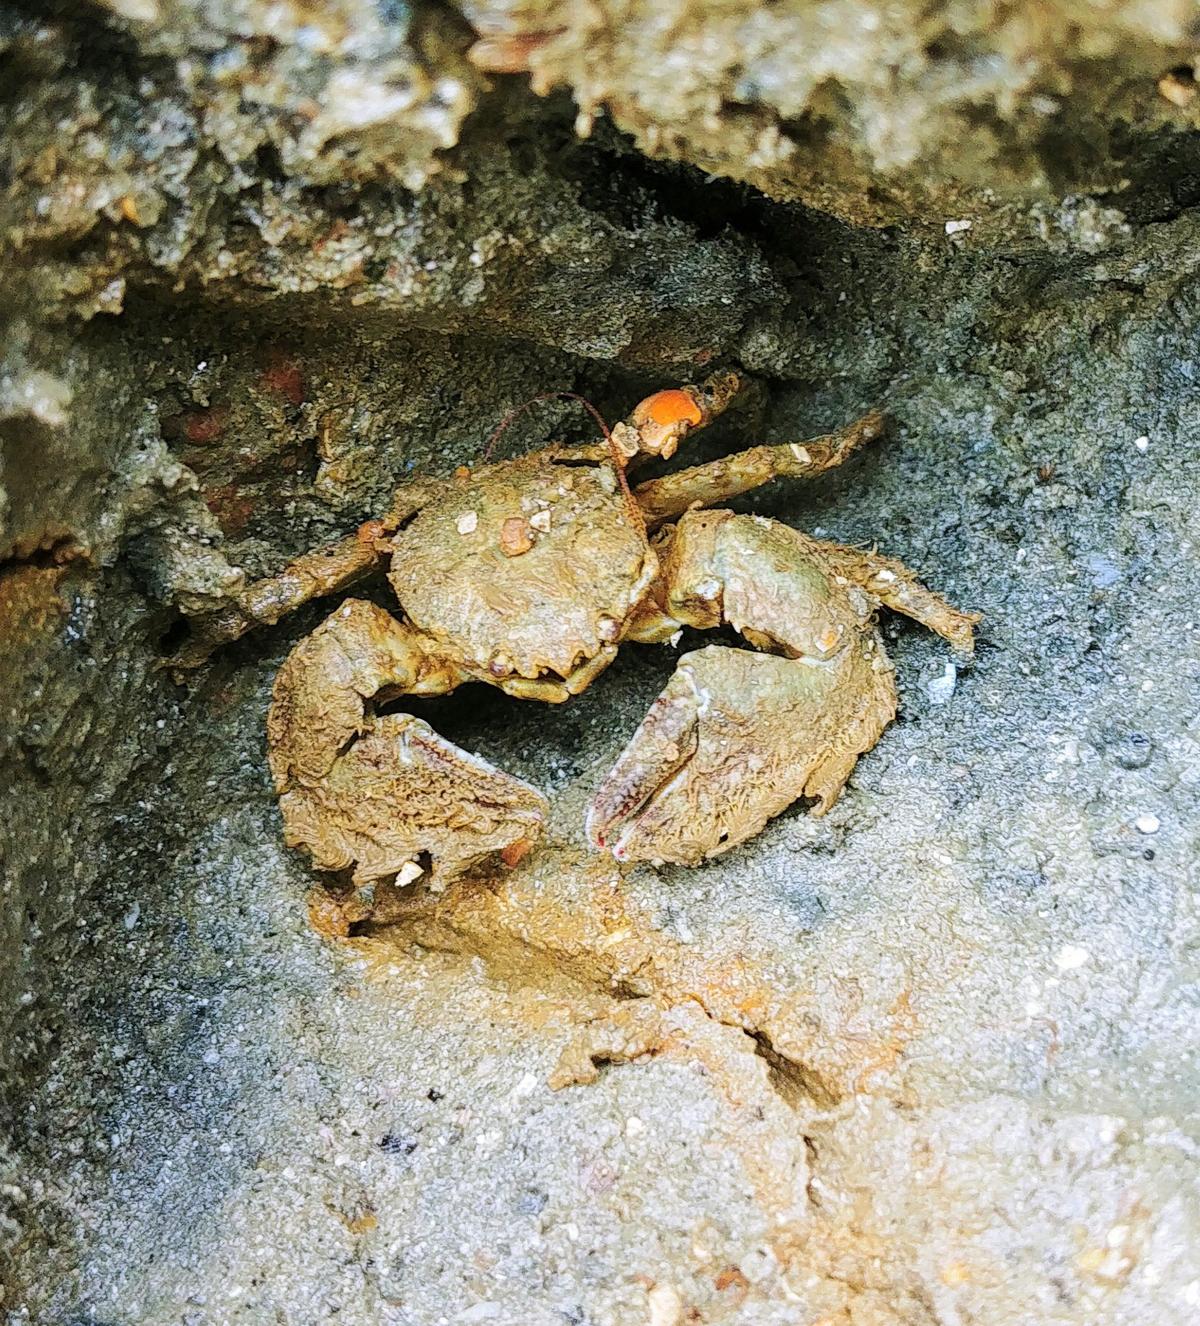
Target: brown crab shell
(547, 611)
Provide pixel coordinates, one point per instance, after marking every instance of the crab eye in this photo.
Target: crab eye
(668, 407)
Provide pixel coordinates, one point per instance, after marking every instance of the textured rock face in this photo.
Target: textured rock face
(931, 1059)
(876, 113)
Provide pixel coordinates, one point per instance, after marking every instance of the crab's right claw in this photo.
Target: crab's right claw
(734, 739)
(658, 752)
(401, 797)
(384, 795)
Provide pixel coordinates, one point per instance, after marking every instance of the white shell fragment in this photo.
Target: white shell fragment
(408, 872)
(940, 689)
(1071, 957)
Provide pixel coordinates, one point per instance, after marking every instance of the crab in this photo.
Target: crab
(528, 575)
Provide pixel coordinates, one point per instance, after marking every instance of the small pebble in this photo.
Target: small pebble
(957, 227)
(940, 689)
(541, 521)
(1142, 443)
(515, 537)
(666, 1308)
(1146, 824)
(1071, 957)
(467, 522)
(408, 872)
(634, 1126)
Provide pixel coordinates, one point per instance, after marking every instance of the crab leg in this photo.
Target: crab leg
(312, 575)
(737, 736)
(375, 793)
(705, 485)
(892, 584)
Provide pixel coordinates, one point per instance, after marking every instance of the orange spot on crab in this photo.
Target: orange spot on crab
(662, 420)
(665, 408)
(514, 853)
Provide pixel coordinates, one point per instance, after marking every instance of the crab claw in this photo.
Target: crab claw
(733, 740)
(665, 743)
(384, 795)
(400, 796)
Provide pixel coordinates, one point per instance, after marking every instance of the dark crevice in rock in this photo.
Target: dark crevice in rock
(795, 1082)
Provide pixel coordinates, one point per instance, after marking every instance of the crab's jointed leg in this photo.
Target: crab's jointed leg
(892, 584)
(736, 736)
(310, 576)
(705, 485)
(374, 793)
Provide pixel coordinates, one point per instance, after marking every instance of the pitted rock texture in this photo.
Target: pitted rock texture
(875, 113)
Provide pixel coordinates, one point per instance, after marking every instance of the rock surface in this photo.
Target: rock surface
(929, 1060)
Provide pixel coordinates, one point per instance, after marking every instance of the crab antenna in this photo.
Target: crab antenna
(635, 511)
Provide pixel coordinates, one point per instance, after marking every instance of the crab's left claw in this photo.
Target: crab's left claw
(734, 739)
